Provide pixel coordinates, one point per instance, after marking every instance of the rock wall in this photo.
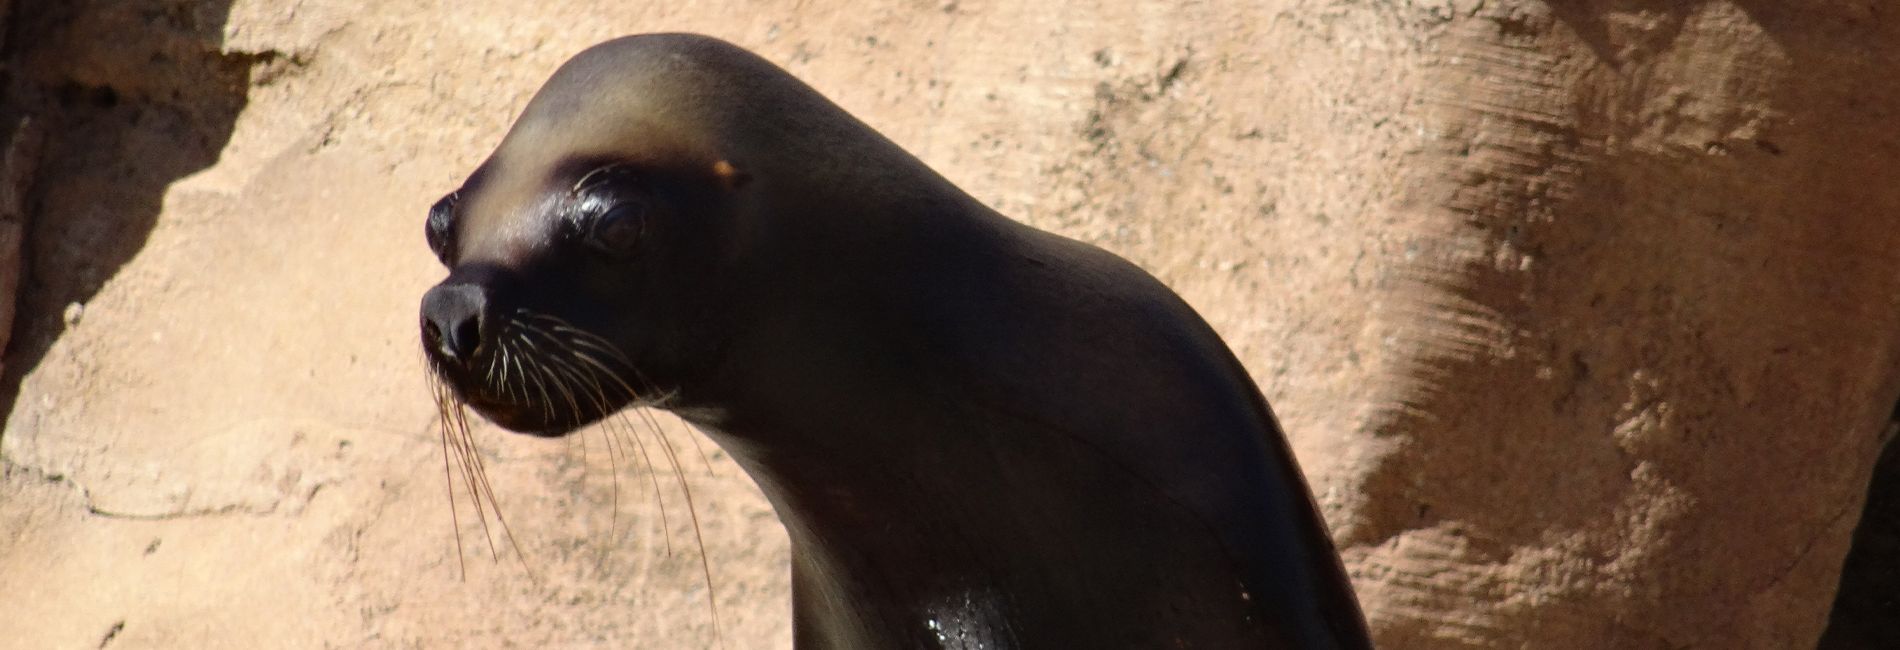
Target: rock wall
(1581, 317)
(1649, 326)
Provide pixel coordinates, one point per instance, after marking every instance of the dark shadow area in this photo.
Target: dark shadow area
(1867, 609)
(1844, 53)
(132, 95)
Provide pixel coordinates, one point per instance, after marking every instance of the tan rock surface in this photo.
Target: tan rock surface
(1581, 322)
(1651, 326)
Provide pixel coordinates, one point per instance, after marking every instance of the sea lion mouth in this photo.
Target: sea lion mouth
(538, 374)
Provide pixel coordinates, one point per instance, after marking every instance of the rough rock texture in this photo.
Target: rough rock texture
(1650, 326)
(1581, 316)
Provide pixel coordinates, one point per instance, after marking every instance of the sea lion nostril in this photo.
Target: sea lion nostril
(468, 336)
(452, 320)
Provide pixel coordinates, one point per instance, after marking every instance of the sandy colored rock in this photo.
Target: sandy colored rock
(1651, 321)
(1581, 320)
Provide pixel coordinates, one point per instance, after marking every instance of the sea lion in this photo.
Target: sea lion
(978, 434)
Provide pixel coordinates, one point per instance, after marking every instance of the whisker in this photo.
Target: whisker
(699, 537)
(550, 369)
(666, 446)
(541, 358)
(601, 371)
(481, 472)
(493, 362)
(600, 401)
(471, 462)
(442, 397)
(534, 372)
(505, 358)
(653, 474)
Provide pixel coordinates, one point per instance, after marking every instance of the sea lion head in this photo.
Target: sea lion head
(586, 256)
(596, 257)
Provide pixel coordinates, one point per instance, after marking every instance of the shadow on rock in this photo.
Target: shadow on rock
(1867, 609)
(131, 96)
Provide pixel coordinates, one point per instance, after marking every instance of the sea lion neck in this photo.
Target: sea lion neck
(872, 305)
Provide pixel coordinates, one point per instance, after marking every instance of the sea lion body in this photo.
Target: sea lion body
(978, 434)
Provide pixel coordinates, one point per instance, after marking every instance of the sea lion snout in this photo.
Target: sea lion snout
(452, 318)
(528, 370)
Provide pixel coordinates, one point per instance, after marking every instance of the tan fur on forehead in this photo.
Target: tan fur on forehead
(663, 94)
(698, 97)
(684, 102)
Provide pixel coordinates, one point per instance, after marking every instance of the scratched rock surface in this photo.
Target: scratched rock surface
(1581, 320)
(1649, 326)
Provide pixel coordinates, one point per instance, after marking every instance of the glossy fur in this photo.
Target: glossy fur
(979, 435)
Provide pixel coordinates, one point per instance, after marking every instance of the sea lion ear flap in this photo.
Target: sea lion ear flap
(730, 175)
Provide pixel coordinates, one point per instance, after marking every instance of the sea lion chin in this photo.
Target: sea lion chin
(977, 434)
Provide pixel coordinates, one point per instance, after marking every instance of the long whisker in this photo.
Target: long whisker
(551, 371)
(580, 338)
(496, 364)
(505, 358)
(442, 397)
(666, 527)
(539, 358)
(455, 438)
(481, 472)
(598, 397)
(472, 471)
(694, 439)
(699, 537)
(533, 371)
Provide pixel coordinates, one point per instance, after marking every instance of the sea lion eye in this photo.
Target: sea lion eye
(619, 228)
(437, 230)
